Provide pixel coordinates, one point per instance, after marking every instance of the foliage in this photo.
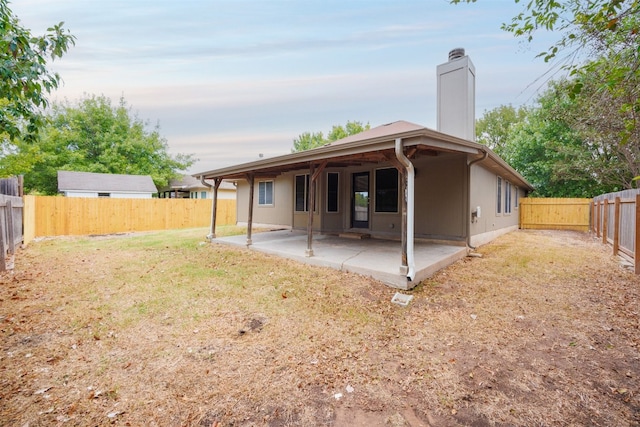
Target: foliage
(598, 45)
(557, 150)
(308, 140)
(24, 78)
(550, 154)
(93, 136)
(583, 25)
(607, 127)
(494, 127)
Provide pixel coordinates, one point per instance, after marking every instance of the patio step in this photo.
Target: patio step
(357, 236)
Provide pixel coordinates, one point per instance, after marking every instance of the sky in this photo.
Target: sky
(228, 81)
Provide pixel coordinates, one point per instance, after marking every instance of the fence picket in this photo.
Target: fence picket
(555, 214)
(625, 222)
(57, 216)
(636, 253)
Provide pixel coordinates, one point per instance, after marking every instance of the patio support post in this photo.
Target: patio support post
(250, 178)
(214, 202)
(311, 207)
(404, 267)
(314, 174)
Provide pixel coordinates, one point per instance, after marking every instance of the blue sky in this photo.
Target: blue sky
(229, 80)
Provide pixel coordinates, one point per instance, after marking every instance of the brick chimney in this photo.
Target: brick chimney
(457, 96)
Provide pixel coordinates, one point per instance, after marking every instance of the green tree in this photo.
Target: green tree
(549, 148)
(606, 125)
(93, 136)
(25, 80)
(494, 127)
(598, 45)
(308, 140)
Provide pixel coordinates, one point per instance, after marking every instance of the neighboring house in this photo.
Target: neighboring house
(88, 184)
(400, 181)
(188, 187)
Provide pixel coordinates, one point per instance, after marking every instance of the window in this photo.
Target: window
(302, 193)
(265, 193)
(517, 196)
(386, 190)
(507, 197)
(499, 196)
(332, 192)
(104, 195)
(203, 194)
(301, 202)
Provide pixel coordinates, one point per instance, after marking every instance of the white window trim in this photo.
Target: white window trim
(273, 196)
(498, 205)
(305, 195)
(508, 189)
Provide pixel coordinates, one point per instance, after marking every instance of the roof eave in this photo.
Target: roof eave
(426, 136)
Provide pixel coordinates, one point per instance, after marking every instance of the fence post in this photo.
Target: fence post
(11, 237)
(605, 221)
(616, 227)
(636, 252)
(597, 218)
(3, 251)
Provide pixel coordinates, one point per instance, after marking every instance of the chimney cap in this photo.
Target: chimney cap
(456, 53)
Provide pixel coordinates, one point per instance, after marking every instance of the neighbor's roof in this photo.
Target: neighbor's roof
(105, 182)
(188, 182)
(373, 146)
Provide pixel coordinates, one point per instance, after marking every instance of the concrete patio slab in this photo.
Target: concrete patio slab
(376, 258)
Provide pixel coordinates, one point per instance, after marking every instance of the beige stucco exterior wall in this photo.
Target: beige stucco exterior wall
(444, 192)
(441, 189)
(335, 222)
(277, 214)
(491, 224)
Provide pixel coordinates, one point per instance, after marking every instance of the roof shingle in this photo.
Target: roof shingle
(104, 182)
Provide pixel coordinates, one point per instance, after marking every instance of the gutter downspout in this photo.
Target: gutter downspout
(485, 154)
(410, 200)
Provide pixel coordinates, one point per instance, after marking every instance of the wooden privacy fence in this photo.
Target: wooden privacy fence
(60, 216)
(11, 208)
(555, 214)
(616, 219)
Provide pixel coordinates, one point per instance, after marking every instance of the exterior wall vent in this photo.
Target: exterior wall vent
(456, 53)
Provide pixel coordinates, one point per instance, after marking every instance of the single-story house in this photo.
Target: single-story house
(189, 187)
(399, 181)
(105, 185)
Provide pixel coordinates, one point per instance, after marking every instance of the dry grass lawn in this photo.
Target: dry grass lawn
(162, 329)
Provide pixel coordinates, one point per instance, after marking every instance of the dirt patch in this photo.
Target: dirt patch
(160, 329)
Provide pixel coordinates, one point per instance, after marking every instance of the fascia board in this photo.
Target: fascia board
(422, 136)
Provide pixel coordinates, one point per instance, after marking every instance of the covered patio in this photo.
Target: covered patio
(376, 258)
